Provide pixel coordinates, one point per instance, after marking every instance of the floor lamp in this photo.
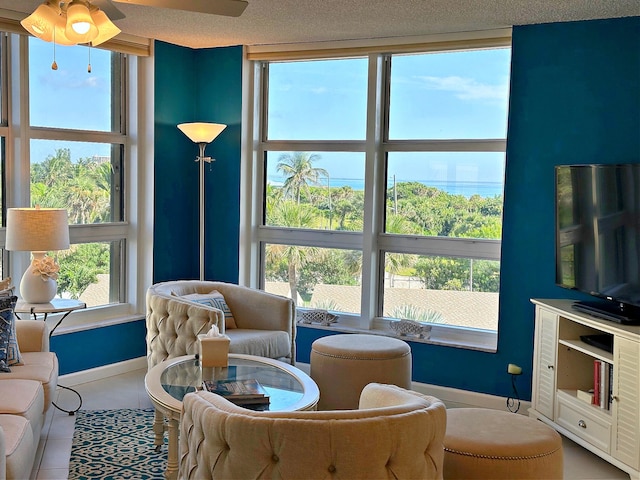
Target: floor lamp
(202, 134)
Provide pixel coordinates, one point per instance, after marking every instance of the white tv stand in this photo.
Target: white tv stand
(564, 364)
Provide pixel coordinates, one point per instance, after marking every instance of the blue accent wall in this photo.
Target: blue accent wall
(196, 86)
(99, 346)
(574, 99)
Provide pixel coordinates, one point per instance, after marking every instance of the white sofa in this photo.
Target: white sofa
(26, 394)
(265, 322)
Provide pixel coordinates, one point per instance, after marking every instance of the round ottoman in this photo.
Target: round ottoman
(482, 443)
(342, 365)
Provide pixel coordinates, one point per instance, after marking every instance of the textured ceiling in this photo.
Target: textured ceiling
(296, 21)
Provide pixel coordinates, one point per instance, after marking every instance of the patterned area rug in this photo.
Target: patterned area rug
(114, 445)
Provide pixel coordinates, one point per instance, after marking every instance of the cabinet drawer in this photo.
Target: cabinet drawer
(584, 421)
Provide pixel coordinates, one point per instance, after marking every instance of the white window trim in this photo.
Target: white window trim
(138, 178)
(252, 234)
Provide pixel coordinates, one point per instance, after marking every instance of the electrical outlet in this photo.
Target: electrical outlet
(514, 369)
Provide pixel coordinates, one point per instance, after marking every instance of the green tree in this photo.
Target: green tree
(80, 266)
(300, 172)
(290, 214)
(84, 189)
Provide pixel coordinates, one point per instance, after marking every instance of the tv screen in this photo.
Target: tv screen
(598, 237)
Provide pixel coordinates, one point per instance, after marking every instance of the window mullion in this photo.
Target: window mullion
(374, 188)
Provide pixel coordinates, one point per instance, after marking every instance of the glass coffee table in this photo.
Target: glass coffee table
(289, 389)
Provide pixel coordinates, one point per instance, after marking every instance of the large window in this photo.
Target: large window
(380, 185)
(70, 147)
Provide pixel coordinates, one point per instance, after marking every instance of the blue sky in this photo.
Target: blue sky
(460, 95)
(69, 97)
(435, 96)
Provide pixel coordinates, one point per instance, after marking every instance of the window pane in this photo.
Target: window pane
(82, 177)
(327, 278)
(317, 100)
(451, 291)
(86, 272)
(70, 97)
(452, 95)
(445, 194)
(315, 190)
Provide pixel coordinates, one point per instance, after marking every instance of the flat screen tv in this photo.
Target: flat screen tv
(598, 238)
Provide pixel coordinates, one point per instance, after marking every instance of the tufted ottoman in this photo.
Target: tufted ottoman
(342, 365)
(482, 443)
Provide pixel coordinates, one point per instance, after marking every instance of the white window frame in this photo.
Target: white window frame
(375, 147)
(137, 228)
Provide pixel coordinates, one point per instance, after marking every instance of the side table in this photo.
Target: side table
(57, 305)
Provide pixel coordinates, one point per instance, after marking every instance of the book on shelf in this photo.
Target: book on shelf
(602, 384)
(240, 392)
(610, 393)
(596, 382)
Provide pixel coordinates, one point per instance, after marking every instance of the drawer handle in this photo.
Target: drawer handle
(582, 424)
(550, 367)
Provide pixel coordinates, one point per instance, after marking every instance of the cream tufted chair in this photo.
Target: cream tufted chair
(395, 433)
(266, 322)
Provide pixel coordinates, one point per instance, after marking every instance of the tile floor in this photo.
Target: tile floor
(127, 391)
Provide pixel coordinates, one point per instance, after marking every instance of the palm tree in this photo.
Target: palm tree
(292, 215)
(300, 172)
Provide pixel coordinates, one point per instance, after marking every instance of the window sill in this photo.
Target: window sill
(447, 336)
(91, 318)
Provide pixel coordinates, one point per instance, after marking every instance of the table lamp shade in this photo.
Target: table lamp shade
(37, 229)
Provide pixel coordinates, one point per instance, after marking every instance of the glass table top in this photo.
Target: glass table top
(282, 386)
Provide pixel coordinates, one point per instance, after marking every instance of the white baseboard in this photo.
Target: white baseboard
(105, 371)
(456, 398)
(451, 397)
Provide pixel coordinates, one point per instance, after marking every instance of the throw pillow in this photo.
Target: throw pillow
(9, 352)
(216, 300)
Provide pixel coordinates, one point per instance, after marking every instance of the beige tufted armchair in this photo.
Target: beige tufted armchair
(395, 433)
(266, 322)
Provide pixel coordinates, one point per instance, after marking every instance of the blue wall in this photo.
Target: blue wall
(99, 346)
(574, 99)
(196, 86)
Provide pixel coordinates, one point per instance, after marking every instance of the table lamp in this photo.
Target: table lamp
(38, 230)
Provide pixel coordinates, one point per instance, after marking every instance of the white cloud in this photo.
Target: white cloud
(64, 80)
(465, 88)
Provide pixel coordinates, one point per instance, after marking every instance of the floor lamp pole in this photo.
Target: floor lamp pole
(201, 160)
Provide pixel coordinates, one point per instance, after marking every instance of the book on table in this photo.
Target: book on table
(240, 392)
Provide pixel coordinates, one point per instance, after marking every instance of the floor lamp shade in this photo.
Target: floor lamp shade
(38, 230)
(201, 132)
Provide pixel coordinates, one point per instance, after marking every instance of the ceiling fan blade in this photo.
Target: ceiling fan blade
(229, 8)
(109, 8)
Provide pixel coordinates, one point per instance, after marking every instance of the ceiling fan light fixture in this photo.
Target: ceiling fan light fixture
(106, 28)
(41, 22)
(80, 26)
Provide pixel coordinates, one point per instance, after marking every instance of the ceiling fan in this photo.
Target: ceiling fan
(229, 8)
(72, 22)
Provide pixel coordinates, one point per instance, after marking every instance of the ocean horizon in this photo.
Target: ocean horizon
(467, 189)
